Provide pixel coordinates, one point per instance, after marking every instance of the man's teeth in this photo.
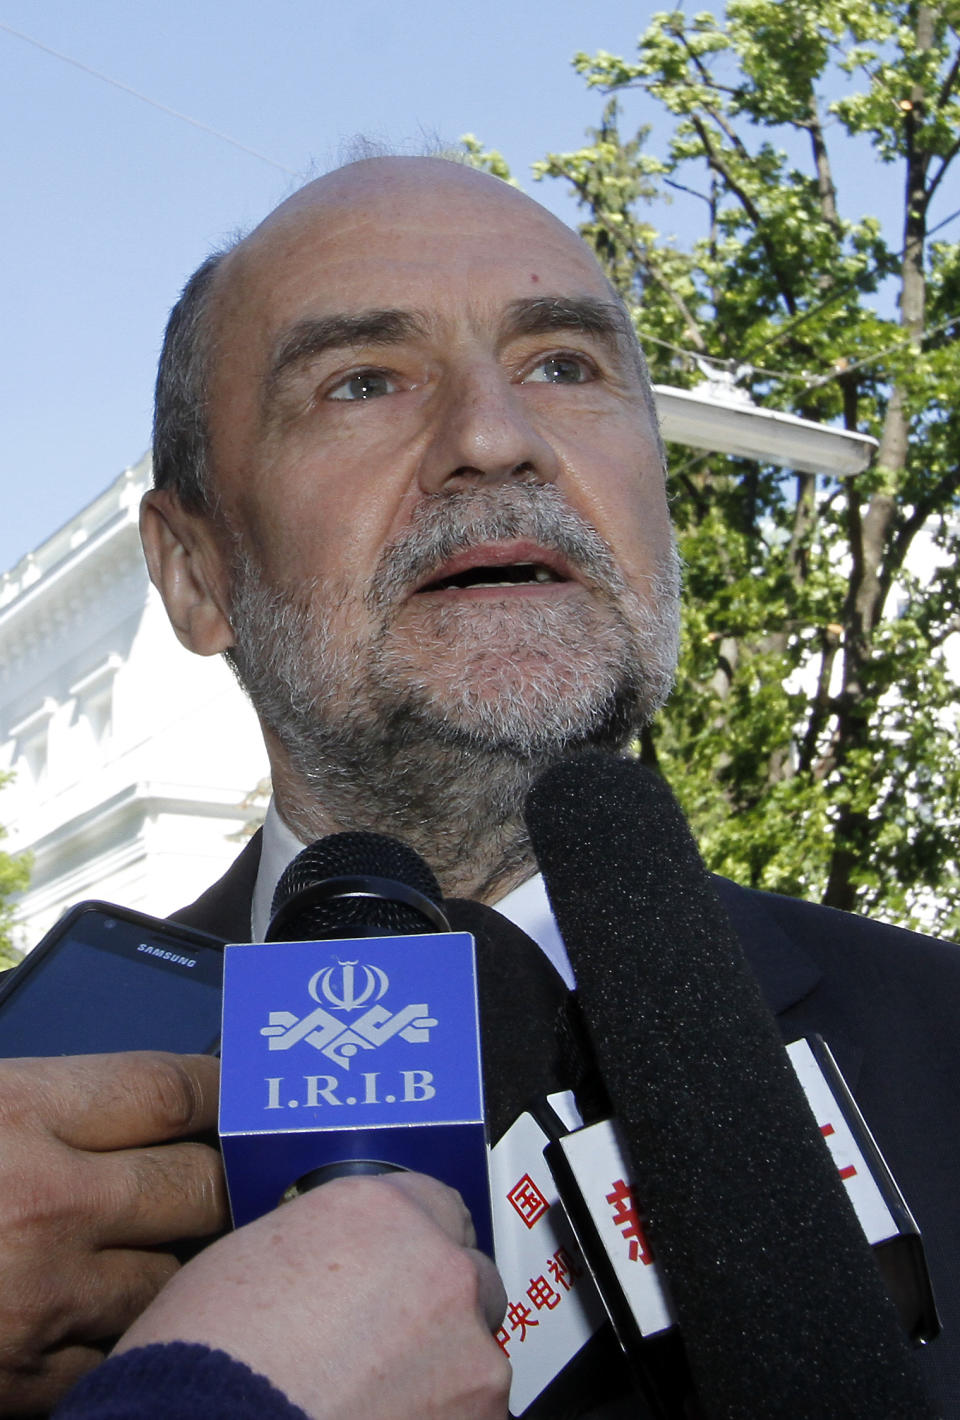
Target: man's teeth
(516, 573)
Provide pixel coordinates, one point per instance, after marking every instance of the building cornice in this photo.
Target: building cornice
(52, 588)
(121, 498)
(122, 815)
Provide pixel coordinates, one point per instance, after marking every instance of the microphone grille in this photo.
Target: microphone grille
(354, 855)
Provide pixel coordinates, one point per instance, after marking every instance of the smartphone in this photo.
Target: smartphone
(105, 978)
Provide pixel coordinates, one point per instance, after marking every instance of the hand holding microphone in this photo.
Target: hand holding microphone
(393, 1312)
(366, 1297)
(99, 1177)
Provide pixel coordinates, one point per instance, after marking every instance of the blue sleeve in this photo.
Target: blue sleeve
(176, 1379)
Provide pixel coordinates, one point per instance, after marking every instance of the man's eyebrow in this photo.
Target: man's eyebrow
(538, 315)
(316, 335)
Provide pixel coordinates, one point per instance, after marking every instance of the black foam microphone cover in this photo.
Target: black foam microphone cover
(778, 1297)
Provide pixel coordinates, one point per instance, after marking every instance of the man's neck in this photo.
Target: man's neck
(469, 828)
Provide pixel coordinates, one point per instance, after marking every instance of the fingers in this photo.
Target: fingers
(82, 1299)
(447, 1209)
(56, 1319)
(359, 1279)
(491, 1293)
(81, 1307)
(444, 1208)
(115, 1289)
(441, 1204)
(69, 1166)
(57, 1199)
(34, 1390)
(145, 1197)
(61, 1290)
(83, 1203)
(101, 1102)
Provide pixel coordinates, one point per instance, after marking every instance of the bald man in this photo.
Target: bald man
(424, 513)
(408, 479)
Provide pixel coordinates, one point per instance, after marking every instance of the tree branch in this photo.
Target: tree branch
(950, 81)
(674, 297)
(934, 183)
(825, 184)
(820, 704)
(749, 207)
(937, 497)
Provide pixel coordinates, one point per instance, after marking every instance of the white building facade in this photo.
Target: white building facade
(138, 767)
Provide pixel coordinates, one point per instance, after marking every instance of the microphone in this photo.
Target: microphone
(355, 885)
(353, 1044)
(780, 1305)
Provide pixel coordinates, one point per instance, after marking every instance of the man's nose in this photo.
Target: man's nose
(484, 433)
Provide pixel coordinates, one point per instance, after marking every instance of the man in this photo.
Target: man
(428, 523)
(430, 532)
(409, 480)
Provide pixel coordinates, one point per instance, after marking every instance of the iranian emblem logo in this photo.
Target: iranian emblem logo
(348, 986)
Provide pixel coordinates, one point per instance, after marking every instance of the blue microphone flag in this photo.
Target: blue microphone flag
(364, 1049)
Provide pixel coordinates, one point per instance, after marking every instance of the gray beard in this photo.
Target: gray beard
(377, 740)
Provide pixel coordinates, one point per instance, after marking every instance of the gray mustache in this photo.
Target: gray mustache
(446, 524)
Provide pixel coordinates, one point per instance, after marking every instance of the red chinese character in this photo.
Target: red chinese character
(527, 1200)
(563, 1269)
(625, 1217)
(520, 1318)
(848, 1171)
(542, 1294)
(501, 1338)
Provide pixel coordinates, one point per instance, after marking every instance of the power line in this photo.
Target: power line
(125, 88)
(879, 354)
(693, 356)
(810, 382)
(952, 218)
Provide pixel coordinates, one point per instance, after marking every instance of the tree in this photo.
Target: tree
(812, 737)
(14, 875)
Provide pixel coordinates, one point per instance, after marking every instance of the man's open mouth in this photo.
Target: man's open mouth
(511, 574)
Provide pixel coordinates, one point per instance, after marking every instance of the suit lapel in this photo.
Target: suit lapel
(788, 975)
(785, 972)
(224, 909)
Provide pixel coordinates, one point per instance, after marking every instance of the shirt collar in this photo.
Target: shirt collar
(526, 907)
(280, 847)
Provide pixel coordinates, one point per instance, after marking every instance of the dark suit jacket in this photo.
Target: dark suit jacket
(888, 1004)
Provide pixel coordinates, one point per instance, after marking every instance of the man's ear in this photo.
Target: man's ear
(185, 557)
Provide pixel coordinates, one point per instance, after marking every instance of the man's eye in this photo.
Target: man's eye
(363, 384)
(559, 370)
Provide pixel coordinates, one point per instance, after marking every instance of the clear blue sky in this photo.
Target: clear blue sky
(110, 203)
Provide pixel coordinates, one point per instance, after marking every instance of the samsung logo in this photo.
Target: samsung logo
(165, 955)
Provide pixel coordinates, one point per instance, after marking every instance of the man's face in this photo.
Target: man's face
(441, 477)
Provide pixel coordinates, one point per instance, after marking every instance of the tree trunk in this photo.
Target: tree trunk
(871, 533)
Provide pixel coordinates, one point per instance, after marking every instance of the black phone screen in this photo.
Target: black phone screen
(105, 981)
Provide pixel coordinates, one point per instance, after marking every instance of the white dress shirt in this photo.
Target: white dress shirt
(526, 906)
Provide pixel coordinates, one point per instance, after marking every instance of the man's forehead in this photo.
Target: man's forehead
(395, 183)
(377, 220)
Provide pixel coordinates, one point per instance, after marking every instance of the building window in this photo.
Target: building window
(93, 698)
(31, 737)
